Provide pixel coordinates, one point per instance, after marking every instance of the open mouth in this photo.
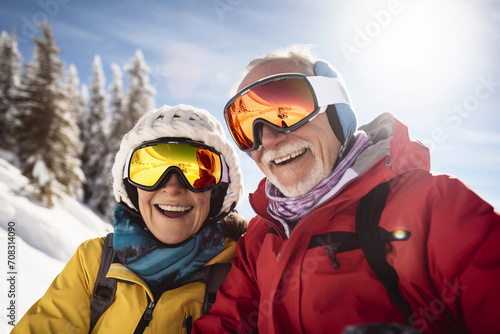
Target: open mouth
(290, 157)
(172, 211)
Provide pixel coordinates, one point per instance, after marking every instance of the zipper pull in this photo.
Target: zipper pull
(148, 315)
(332, 254)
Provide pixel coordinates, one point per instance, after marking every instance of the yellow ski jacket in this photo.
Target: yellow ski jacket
(65, 307)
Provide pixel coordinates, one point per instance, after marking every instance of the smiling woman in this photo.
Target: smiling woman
(177, 180)
(174, 213)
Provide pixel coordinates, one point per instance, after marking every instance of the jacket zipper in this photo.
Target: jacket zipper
(277, 227)
(146, 317)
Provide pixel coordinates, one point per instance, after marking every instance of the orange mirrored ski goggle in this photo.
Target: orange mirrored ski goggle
(283, 102)
(199, 167)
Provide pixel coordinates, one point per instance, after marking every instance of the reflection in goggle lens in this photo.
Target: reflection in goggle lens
(201, 167)
(283, 103)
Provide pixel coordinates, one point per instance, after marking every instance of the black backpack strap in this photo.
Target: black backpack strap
(104, 288)
(367, 220)
(216, 274)
(213, 276)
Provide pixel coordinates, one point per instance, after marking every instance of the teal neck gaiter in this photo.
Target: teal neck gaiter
(159, 264)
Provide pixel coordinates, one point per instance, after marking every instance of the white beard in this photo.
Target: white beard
(303, 186)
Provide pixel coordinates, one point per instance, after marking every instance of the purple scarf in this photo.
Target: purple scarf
(290, 211)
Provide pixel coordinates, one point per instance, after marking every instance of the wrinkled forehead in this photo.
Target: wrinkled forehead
(269, 68)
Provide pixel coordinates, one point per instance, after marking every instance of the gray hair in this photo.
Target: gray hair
(301, 54)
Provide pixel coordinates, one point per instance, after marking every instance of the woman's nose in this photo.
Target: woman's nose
(173, 185)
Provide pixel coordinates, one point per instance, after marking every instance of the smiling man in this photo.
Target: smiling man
(294, 161)
(317, 258)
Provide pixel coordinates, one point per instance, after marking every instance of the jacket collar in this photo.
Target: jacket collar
(391, 155)
(122, 273)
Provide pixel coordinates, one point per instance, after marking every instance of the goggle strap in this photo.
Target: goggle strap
(328, 90)
(225, 172)
(127, 164)
(321, 110)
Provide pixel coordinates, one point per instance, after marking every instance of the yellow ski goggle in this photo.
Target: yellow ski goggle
(199, 167)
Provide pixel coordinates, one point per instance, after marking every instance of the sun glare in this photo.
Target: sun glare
(424, 53)
(427, 34)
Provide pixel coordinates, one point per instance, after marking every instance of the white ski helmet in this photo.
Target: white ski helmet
(181, 121)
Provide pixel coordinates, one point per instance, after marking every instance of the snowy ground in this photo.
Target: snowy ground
(45, 239)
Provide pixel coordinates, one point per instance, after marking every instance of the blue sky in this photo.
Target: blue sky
(432, 64)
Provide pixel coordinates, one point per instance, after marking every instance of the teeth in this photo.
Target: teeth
(174, 208)
(290, 156)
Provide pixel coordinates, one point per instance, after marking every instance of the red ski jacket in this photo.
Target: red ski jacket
(449, 268)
